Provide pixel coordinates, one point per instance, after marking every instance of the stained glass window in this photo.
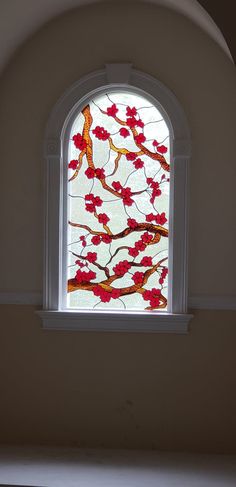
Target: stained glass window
(118, 205)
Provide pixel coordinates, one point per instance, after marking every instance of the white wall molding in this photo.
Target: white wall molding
(111, 321)
(194, 302)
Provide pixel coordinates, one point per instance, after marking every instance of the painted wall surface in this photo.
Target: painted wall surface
(170, 392)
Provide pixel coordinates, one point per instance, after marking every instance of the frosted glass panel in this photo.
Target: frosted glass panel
(118, 205)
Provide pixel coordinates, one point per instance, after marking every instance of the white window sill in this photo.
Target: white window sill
(115, 321)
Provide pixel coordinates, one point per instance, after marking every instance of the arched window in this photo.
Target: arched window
(117, 149)
(118, 205)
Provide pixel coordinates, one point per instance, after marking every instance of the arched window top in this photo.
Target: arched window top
(122, 140)
(117, 76)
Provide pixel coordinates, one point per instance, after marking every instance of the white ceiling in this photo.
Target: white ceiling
(21, 18)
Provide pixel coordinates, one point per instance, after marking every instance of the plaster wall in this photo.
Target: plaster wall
(119, 390)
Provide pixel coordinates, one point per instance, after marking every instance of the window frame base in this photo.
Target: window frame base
(108, 321)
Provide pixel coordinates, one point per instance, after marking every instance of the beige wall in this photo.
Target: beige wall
(74, 387)
(119, 390)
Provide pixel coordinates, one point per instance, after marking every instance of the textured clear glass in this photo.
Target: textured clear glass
(118, 205)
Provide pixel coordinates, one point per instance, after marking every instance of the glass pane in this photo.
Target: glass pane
(118, 205)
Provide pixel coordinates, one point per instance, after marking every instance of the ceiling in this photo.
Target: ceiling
(21, 18)
(223, 13)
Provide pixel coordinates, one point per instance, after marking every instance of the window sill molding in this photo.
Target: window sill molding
(103, 321)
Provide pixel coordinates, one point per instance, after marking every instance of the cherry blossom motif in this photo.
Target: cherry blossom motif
(103, 218)
(130, 156)
(91, 257)
(140, 138)
(155, 192)
(126, 195)
(101, 133)
(91, 208)
(150, 217)
(83, 276)
(115, 293)
(164, 273)
(112, 111)
(131, 122)
(99, 173)
(161, 218)
(140, 123)
(79, 141)
(83, 241)
(140, 245)
(104, 295)
(121, 268)
(138, 164)
(162, 149)
(153, 297)
(124, 132)
(146, 261)
(80, 263)
(138, 277)
(146, 237)
(131, 112)
(132, 223)
(96, 200)
(90, 173)
(106, 238)
(155, 189)
(116, 185)
(73, 164)
(95, 173)
(133, 251)
(96, 240)
(120, 206)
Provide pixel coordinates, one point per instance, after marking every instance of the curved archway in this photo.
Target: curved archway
(20, 26)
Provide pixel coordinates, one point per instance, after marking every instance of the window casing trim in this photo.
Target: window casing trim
(115, 77)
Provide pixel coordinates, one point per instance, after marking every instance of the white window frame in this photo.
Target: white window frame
(176, 319)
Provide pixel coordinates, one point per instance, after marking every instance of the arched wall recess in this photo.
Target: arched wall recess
(54, 313)
(24, 26)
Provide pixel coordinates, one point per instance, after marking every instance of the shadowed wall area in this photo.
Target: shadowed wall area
(119, 390)
(168, 392)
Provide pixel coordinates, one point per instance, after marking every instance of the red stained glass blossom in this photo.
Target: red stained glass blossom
(124, 132)
(73, 164)
(79, 141)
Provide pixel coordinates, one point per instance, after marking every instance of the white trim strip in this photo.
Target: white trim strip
(140, 322)
(194, 302)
